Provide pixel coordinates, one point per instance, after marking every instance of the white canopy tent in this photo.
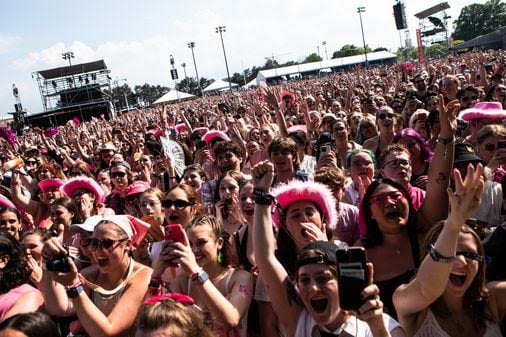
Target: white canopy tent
(174, 95)
(219, 85)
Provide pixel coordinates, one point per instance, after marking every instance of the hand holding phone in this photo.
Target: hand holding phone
(175, 232)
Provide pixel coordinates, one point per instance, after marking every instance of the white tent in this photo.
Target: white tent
(219, 85)
(174, 95)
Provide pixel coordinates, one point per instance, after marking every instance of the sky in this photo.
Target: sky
(135, 38)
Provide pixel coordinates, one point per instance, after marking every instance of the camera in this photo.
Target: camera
(59, 263)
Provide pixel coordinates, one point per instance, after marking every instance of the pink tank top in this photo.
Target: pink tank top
(8, 299)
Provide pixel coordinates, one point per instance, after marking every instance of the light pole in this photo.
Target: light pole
(184, 68)
(324, 43)
(221, 30)
(68, 55)
(191, 45)
(318, 49)
(361, 10)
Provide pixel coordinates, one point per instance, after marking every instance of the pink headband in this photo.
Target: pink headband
(180, 298)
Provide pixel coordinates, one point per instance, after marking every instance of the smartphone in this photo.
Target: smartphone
(201, 144)
(325, 149)
(174, 232)
(352, 275)
(501, 144)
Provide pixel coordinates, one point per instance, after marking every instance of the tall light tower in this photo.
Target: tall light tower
(324, 43)
(221, 30)
(191, 45)
(68, 55)
(184, 69)
(361, 10)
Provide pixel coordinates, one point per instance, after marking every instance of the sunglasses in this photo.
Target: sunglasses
(383, 116)
(471, 256)
(43, 171)
(469, 98)
(107, 244)
(366, 126)
(85, 242)
(179, 204)
(397, 162)
(490, 147)
(382, 198)
(75, 174)
(118, 174)
(31, 162)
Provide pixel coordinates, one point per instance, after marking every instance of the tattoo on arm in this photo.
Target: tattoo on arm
(442, 179)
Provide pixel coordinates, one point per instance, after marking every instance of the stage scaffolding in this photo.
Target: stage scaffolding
(80, 90)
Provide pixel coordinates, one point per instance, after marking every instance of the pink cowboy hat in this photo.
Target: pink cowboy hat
(312, 191)
(74, 184)
(485, 110)
(289, 94)
(44, 185)
(5, 202)
(180, 127)
(137, 187)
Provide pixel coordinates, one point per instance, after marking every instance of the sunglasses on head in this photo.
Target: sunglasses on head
(118, 174)
(383, 116)
(107, 244)
(382, 198)
(179, 204)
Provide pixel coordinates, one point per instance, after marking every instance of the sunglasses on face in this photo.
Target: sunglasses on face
(382, 198)
(85, 242)
(75, 173)
(490, 147)
(107, 244)
(383, 116)
(365, 126)
(179, 204)
(118, 174)
(43, 171)
(31, 162)
(469, 98)
(398, 162)
(471, 256)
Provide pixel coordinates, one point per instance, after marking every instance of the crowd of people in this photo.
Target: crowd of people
(225, 215)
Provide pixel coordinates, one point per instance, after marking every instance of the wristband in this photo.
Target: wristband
(75, 289)
(262, 198)
(445, 142)
(437, 257)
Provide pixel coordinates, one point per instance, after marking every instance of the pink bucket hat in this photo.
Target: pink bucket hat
(485, 110)
(5, 202)
(44, 185)
(137, 187)
(74, 184)
(210, 135)
(312, 191)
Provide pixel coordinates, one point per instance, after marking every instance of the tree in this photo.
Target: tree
(478, 19)
(190, 85)
(312, 58)
(349, 50)
(146, 94)
(121, 94)
(436, 50)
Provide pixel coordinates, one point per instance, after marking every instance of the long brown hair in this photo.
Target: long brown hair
(476, 296)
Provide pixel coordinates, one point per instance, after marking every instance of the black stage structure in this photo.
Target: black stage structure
(79, 90)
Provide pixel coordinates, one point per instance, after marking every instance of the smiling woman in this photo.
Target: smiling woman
(104, 295)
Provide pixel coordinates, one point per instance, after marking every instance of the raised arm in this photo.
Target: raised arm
(264, 245)
(432, 277)
(435, 205)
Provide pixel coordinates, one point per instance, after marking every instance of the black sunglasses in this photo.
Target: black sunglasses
(107, 244)
(489, 147)
(179, 204)
(118, 174)
(383, 116)
(31, 162)
(471, 256)
(85, 242)
(469, 98)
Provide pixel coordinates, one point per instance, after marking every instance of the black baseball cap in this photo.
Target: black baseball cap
(327, 254)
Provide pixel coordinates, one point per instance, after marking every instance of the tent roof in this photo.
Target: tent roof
(492, 40)
(173, 95)
(73, 70)
(325, 64)
(218, 85)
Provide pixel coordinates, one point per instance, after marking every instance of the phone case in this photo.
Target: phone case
(174, 232)
(352, 277)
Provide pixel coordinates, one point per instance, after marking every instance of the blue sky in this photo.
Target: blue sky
(135, 38)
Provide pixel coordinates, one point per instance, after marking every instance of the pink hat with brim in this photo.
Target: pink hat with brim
(44, 185)
(297, 127)
(135, 228)
(289, 94)
(137, 187)
(210, 135)
(311, 191)
(180, 127)
(484, 110)
(5, 202)
(74, 184)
